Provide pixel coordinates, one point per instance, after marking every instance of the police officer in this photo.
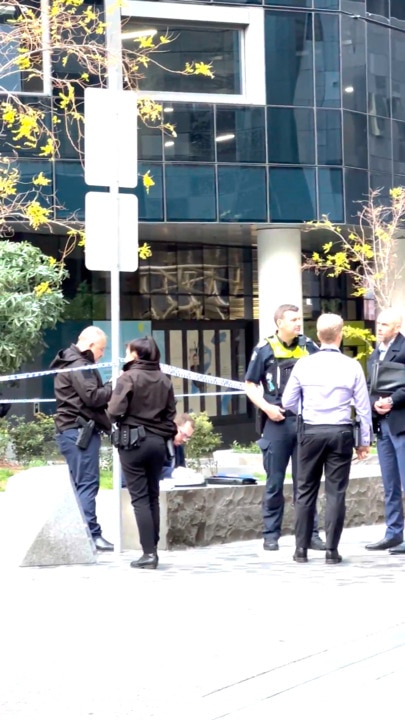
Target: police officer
(266, 377)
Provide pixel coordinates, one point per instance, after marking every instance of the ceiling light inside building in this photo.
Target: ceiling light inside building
(147, 32)
(169, 143)
(349, 89)
(224, 138)
(168, 110)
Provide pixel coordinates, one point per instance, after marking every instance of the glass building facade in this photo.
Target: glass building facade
(308, 134)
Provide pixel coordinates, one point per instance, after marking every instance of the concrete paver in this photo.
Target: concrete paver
(227, 632)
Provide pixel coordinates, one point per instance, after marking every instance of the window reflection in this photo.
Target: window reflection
(190, 192)
(292, 194)
(189, 44)
(291, 136)
(240, 134)
(150, 203)
(398, 74)
(380, 149)
(356, 191)
(242, 194)
(330, 183)
(327, 60)
(14, 79)
(194, 139)
(289, 58)
(378, 70)
(353, 64)
(329, 137)
(355, 139)
(398, 129)
(70, 189)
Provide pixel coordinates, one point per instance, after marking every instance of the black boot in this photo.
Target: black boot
(147, 561)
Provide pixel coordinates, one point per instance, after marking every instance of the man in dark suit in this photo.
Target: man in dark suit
(389, 424)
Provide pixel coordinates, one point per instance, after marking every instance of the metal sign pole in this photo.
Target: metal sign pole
(115, 85)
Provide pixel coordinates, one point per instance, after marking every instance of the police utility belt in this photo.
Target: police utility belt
(126, 437)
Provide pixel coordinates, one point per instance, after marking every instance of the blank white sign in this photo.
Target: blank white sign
(109, 227)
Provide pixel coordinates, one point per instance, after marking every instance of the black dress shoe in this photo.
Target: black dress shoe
(103, 545)
(317, 543)
(385, 544)
(148, 561)
(398, 550)
(332, 557)
(300, 555)
(270, 545)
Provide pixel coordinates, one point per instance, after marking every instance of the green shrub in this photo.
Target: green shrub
(33, 440)
(203, 441)
(252, 448)
(4, 439)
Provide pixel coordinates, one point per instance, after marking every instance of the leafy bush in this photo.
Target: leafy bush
(252, 448)
(33, 439)
(203, 441)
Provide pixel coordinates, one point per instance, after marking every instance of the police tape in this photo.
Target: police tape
(167, 369)
(21, 401)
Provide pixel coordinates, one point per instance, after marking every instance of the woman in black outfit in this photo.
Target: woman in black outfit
(143, 406)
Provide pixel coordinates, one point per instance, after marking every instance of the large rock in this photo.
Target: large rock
(41, 522)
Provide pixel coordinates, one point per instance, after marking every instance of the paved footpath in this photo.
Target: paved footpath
(226, 632)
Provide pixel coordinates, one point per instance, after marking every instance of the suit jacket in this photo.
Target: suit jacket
(396, 416)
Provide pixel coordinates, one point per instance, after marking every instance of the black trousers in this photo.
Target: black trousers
(278, 445)
(329, 449)
(142, 467)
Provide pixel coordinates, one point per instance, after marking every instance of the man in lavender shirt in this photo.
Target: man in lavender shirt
(323, 388)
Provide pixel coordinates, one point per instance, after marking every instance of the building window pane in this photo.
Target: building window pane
(329, 137)
(356, 191)
(190, 192)
(355, 139)
(151, 203)
(380, 149)
(242, 194)
(290, 3)
(149, 142)
(398, 129)
(382, 183)
(327, 4)
(240, 135)
(292, 194)
(194, 125)
(190, 44)
(398, 9)
(327, 60)
(398, 74)
(378, 70)
(378, 7)
(14, 79)
(353, 64)
(291, 137)
(330, 183)
(10, 146)
(70, 189)
(289, 62)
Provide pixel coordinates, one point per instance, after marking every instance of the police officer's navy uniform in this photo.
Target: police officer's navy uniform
(270, 366)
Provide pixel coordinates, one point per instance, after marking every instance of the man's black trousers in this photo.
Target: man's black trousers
(329, 449)
(142, 467)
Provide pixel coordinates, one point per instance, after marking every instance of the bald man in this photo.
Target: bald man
(81, 396)
(389, 424)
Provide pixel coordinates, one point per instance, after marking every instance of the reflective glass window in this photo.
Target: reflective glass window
(327, 60)
(292, 194)
(398, 9)
(378, 7)
(355, 139)
(398, 74)
(150, 141)
(354, 7)
(289, 58)
(242, 194)
(290, 3)
(398, 129)
(378, 70)
(150, 205)
(15, 79)
(356, 190)
(190, 192)
(199, 43)
(291, 135)
(194, 127)
(382, 183)
(330, 184)
(240, 134)
(353, 48)
(329, 137)
(28, 170)
(70, 188)
(327, 4)
(379, 144)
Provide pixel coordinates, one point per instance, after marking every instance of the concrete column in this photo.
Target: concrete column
(279, 263)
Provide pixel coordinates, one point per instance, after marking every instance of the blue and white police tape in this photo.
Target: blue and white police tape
(167, 369)
(22, 401)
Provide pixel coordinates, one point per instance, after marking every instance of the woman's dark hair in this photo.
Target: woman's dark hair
(145, 348)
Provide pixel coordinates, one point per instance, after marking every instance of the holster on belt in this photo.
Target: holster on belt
(127, 437)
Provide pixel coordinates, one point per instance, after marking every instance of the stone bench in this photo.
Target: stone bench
(219, 514)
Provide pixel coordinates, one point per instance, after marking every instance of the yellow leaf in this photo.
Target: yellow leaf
(146, 42)
(36, 214)
(147, 181)
(144, 251)
(41, 180)
(163, 39)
